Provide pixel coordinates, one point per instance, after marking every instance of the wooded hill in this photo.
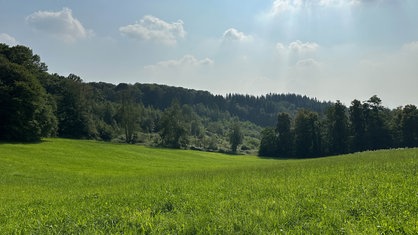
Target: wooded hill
(36, 104)
(260, 110)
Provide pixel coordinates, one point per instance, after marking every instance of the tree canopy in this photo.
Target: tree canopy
(36, 104)
(26, 111)
(363, 126)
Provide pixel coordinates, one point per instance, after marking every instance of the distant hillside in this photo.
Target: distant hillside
(36, 104)
(260, 110)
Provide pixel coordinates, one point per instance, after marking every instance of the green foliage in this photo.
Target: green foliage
(263, 110)
(358, 126)
(377, 131)
(366, 126)
(23, 56)
(337, 125)
(268, 143)
(25, 109)
(86, 187)
(131, 112)
(173, 130)
(235, 136)
(284, 135)
(36, 104)
(128, 113)
(307, 134)
(73, 111)
(409, 126)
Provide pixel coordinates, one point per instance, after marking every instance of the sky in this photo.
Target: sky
(328, 49)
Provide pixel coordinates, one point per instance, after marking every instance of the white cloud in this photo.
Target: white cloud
(281, 6)
(303, 48)
(187, 61)
(151, 28)
(410, 47)
(187, 71)
(297, 49)
(280, 47)
(308, 63)
(296, 62)
(235, 35)
(60, 24)
(7, 39)
(342, 2)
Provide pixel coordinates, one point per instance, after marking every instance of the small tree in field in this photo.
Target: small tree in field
(235, 137)
(128, 113)
(173, 129)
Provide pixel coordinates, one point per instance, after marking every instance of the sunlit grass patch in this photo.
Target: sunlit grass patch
(68, 186)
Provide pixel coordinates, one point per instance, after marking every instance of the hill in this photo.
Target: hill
(260, 110)
(36, 104)
(73, 186)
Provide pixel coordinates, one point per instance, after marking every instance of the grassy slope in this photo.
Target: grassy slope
(68, 186)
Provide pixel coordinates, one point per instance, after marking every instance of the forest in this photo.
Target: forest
(362, 126)
(35, 104)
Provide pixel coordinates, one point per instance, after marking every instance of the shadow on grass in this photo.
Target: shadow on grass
(275, 158)
(290, 158)
(2, 142)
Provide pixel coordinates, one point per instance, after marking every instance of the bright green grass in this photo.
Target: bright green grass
(68, 186)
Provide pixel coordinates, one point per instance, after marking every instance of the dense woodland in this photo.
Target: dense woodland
(362, 126)
(36, 104)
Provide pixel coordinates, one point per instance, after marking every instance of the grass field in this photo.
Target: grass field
(68, 186)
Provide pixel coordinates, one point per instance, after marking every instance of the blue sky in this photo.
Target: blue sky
(329, 49)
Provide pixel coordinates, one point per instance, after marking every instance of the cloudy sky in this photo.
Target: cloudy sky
(329, 49)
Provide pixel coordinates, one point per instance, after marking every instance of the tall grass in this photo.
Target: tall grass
(67, 186)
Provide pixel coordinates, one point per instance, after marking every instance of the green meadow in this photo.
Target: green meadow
(85, 187)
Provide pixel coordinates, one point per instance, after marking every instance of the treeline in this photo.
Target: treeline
(260, 110)
(362, 126)
(36, 104)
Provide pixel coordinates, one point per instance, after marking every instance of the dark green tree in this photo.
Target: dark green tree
(193, 124)
(395, 127)
(337, 125)
(72, 113)
(129, 113)
(235, 136)
(268, 146)
(358, 126)
(23, 56)
(307, 134)
(284, 135)
(26, 111)
(173, 129)
(377, 131)
(409, 126)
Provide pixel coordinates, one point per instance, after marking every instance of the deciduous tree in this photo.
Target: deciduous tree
(26, 113)
(173, 130)
(128, 114)
(235, 136)
(268, 146)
